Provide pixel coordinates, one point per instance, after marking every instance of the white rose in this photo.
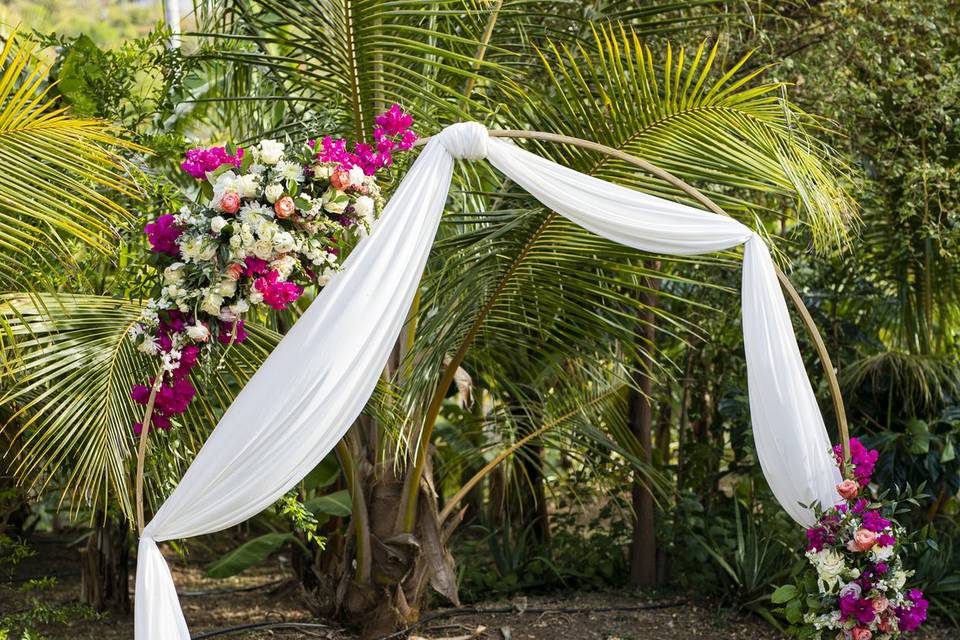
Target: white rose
(273, 192)
(217, 223)
(284, 242)
(208, 251)
(211, 304)
(364, 207)
(174, 273)
(271, 151)
(148, 346)
(324, 278)
(323, 171)
(249, 185)
(227, 288)
(263, 249)
(335, 206)
(356, 176)
(198, 332)
(255, 297)
(236, 241)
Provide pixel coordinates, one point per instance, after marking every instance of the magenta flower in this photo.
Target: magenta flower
(276, 293)
(391, 133)
(394, 121)
(163, 234)
(873, 521)
(854, 607)
(226, 332)
(912, 616)
(199, 161)
(863, 460)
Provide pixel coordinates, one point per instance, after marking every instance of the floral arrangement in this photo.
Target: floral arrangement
(855, 585)
(272, 219)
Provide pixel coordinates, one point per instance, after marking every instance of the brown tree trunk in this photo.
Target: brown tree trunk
(404, 566)
(104, 568)
(643, 547)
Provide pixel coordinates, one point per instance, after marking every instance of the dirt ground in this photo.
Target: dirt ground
(263, 599)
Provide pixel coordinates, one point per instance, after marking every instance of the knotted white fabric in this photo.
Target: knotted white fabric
(315, 383)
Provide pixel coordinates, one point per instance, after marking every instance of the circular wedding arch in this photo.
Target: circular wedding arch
(653, 170)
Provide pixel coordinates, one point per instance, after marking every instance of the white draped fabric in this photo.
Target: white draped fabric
(315, 383)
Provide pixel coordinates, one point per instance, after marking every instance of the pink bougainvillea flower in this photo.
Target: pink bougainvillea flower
(199, 161)
(162, 234)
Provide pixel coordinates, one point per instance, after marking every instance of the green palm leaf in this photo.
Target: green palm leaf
(55, 169)
(67, 402)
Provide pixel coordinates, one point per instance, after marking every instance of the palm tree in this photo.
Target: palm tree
(62, 176)
(507, 278)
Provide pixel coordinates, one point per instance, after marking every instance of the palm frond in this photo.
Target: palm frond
(55, 171)
(67, 404)
(730, 134)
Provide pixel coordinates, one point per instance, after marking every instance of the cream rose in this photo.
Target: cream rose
(217, 224)
(273, 192)
(364, 207)
(198, 332)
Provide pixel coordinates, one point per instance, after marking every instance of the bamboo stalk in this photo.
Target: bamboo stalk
(142, 449)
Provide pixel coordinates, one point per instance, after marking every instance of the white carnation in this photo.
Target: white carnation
(324, 278)
(148, 346)
(227, 288)
(248, 186)
(284, 266)
(240, 307)
(881, 554)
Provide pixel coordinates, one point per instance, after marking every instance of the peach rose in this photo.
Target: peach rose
(859, 633)
(230, 202)
(234, 271)
(340, 180)
(848, 489)
(284, 207)
(885, 625)
(864, 539)
(880, 604)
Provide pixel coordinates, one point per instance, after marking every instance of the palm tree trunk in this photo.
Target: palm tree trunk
(104, 567)
(643, 547)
